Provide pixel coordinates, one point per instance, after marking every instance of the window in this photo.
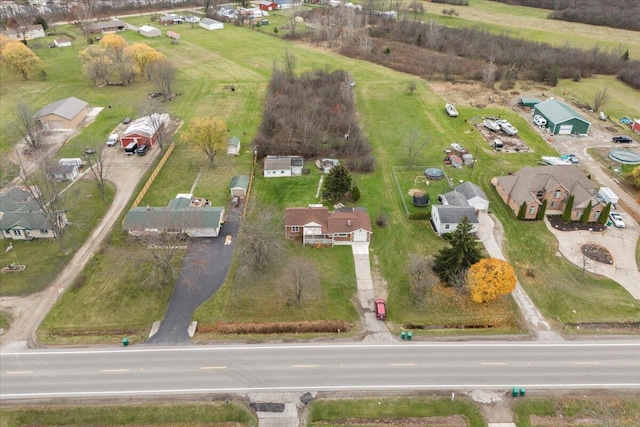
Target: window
(282, 172)
(43, 231)
(446, 227)
(295, 229)
(540, 195)
(532, 209)
(554, 204)
(596, 215)
(341, 235)
(556, 194)
(17, 232)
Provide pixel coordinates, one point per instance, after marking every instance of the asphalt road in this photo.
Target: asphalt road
(278, 368)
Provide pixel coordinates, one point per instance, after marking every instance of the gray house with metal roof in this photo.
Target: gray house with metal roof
(21, 218)
(192, 217)
(561, 119)
(67, 113)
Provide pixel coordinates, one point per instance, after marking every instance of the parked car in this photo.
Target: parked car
(622, 140)
(617, 219)
(539, 121)
(142, 150)
(131, 148)
(381, 309)
(126, 120)
(112, 140)
(235, 201)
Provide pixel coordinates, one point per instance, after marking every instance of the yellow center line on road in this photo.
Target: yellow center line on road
(115, 370)
(586, 363)
(402, 364)
(209, 368)
(18, 372)
(494, 363)
(306, 366)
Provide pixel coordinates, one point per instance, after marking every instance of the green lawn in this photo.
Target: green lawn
(43, 257)
(323, 412)
(183, 414)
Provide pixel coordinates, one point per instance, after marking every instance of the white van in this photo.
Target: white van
(112, 140)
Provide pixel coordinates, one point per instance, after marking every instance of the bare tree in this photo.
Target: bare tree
(489, 72)
(263, 236)
(99, 168)
(158, 261)
(155, 110)
(163, 74)
(46, 192)
(81, 14)
(301, 279)
(417, 8)
(415, 143)
(31, 128)
(289, 65)
(601, 98)
(422, 277)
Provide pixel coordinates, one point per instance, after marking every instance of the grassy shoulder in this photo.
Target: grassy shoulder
(382, 411)
(184, 414)
(601, 409)
(43, 257)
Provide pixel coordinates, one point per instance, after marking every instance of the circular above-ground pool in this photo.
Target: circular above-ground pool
(624, 156)
(434, 173)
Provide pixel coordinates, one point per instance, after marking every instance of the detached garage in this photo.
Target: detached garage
(561, 119)
(149, 31)
(211, 24)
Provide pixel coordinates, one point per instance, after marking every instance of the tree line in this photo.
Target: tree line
(431, 50)
(312, 115)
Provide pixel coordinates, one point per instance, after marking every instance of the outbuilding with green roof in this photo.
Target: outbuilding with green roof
(561, 119)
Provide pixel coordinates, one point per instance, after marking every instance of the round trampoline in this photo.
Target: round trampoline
(434, 173)
(420, 199)
(624, 156)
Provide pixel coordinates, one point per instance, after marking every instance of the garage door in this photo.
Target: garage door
(565, 129)
(56, 124)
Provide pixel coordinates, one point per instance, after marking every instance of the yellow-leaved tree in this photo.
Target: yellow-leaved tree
(116, 48)
(209, 134)
(96, 63)
(489, 278)
(143, 56)
(634, 177)
(20, 59)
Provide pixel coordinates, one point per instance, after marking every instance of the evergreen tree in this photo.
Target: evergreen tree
(337, 183)
(522, 212)
(566, 215)
(604, 216)
(586, 214)
(355, 193)
(463, 252)
(541, 210)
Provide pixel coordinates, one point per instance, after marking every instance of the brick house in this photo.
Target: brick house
(316, 225)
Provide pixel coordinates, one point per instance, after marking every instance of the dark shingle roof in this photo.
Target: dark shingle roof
(471, 190)
(455, 214)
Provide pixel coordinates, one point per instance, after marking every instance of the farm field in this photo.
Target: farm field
(209, 64)
(531, 23)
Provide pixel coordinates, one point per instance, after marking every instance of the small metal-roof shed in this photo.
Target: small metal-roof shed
(239, 186)
(528, 102)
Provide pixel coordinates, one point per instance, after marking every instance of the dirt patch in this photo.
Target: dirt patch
(379, 282)
(473, 94)
(511, 144)
(597, 253)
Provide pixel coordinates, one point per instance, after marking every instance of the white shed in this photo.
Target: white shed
(211, 24)
(149, 31)
(62, 42)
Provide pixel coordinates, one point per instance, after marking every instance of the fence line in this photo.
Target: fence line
(152, 177)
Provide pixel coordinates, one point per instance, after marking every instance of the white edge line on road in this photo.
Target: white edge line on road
(115, 370)
(306, 366)
(402, 364)
(208, 368)
(319, 347)
(494, 363)
(316, 388)
(18, 372)
(586, 363)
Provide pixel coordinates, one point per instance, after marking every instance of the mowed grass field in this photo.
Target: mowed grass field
(209, 62)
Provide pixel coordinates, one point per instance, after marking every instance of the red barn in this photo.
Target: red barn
(145, 130)
(636, 125)
(267, 5)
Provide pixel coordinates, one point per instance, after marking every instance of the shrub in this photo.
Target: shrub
(382, 220)
(355, 193)
(422, 215)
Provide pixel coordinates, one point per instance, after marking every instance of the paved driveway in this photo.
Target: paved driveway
(203, 272)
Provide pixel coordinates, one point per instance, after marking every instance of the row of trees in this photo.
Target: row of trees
(114, 55)
(17, 57)
(312, 115)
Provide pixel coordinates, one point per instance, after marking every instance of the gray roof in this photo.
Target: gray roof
(101, 25)
(62, 169)
(17, 200)
(455, 214)
(277, 162)
(234, 141)
(557, 111)
(455, 198)
(173, 218)
(241, 181)
(209, 21)
(18, 209)
(471, 190)
(66, 108)
(524, 185)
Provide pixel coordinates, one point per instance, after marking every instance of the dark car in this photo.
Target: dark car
(622, 140)
(131, 148)
(126, 120)
(142, 150)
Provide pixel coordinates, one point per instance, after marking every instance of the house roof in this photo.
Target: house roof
(267, 2)
(524, 185)
(145, 125)
(16, 199)
(454, 214)
(471, 190)
(177, 218)
(62, 169)
(331, 222)
(240, 181)
(18, 209)
(209, 21)
(27, 220)
(557, 111)
(116, 23)
(62, 40)
(296, 161)
(66, 108)
(455, 198)
(234, 141)
(278, 162)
